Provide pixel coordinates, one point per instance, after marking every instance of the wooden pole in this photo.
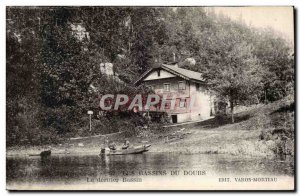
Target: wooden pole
(90, 123)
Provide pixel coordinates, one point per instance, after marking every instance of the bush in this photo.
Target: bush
(119, 122)
(279, 140)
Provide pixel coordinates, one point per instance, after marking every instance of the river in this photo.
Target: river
(70, 169)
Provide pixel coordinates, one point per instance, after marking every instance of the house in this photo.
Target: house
(188, 89)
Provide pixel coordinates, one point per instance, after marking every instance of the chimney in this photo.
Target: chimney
(174, 60)
(174, 57)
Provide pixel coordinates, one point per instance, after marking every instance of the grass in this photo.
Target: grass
(240, 138)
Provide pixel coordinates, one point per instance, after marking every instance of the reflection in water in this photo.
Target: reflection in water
(70, 169)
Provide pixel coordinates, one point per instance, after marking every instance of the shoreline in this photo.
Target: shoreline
(197, 142)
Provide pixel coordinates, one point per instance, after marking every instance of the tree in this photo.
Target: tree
(233, 73)
(276, 57)
(128, 37)
(67, 72)
(22, 81)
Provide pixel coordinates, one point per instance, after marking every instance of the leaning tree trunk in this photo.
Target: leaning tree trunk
(232, 111)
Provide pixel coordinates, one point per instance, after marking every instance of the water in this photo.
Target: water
(69, 169)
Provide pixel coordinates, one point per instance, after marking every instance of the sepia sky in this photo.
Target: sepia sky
(278, 18)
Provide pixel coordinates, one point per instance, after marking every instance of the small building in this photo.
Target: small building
(193, 100)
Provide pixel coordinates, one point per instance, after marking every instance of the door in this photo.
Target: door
(174, 118)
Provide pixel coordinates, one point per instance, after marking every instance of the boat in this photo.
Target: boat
(131, 150)
(45, 153)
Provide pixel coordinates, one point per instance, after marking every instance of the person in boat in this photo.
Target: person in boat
(104, 145)
(126, 144)
(46, 152)
(112, 145)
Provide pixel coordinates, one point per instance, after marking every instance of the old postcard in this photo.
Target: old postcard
(150, 98)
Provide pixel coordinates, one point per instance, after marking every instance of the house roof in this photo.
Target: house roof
(180, 72)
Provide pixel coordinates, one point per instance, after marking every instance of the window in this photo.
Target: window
(197, 87)
(182, 103)
(158, 73)
(166, 87)
(181, 85)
